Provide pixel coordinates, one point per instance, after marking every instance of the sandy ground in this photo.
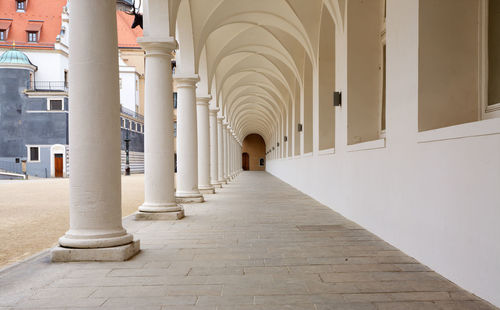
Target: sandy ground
(35, 213)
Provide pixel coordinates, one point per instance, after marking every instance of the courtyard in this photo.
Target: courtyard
(257, 244)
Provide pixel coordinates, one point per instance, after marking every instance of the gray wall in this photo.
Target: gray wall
(18, 126)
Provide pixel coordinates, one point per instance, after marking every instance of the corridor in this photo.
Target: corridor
(257, 244)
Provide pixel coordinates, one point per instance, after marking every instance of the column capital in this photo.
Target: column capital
(158, 45)
(186, 80)
(220, 118)
(214, 111)
(203, 100)
(225, 124)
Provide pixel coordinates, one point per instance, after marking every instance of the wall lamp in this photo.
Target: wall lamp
(285, 138)
(299, 127)
(337, 99)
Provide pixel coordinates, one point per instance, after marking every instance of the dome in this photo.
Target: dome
(15, 57)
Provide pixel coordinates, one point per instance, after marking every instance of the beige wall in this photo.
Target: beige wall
(448, 63)
(326, 82)
(364, 75)
(255, 146)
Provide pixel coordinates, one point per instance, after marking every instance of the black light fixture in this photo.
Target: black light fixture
(127, 151)
(278, 144)
(285, 138)
(337, 99)
(299, 127)
(129, 7)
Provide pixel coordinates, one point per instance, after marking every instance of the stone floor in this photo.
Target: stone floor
(257, 244)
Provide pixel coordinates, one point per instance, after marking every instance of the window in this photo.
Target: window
(21, 5)
(175, 100)
(139, 128)
(56, 105)
(122, 122)
(127, 124)
(365, 71)
(34, 153)
(261, 162)
(448, 75)
(3, 35)
(492, 70)
(32, 36)
(134, 126)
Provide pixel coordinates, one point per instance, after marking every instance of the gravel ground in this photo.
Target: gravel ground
(35, 213)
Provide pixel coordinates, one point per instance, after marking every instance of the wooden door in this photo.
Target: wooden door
(246, 162)
(58, 165)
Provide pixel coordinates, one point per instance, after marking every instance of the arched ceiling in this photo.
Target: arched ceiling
(250, 54)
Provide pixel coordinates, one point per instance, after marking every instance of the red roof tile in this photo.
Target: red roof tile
(48, 13)
(127, 37)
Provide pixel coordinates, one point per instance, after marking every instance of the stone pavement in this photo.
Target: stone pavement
(257, 244)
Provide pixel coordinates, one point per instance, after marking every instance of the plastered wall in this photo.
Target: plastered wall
(433, 194)
(256, 148)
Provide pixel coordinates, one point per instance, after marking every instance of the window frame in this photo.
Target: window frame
(49, 108)
(29, 153)
(30, 34)
(3, 35)
(20, 5)
(486, 111)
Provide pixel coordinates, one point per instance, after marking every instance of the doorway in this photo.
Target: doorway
(246, 162)
(58, 165)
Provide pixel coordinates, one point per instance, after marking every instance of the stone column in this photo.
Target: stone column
(204, 145)
(214, 148)
(159, 176)
(95, 229)
(226, 153)
(187, 142)
(220, 138)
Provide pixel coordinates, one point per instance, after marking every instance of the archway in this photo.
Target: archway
(255, 148)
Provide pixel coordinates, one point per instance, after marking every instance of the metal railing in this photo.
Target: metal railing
(132, 114)
(60, 86)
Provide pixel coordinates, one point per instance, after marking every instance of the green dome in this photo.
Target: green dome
(15, 57)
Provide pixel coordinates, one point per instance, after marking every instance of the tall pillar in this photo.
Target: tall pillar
(214, 148)
(226, 157)
(187, 142)
(220, 138)
(96, 232)
(159, 183)
(204, 145)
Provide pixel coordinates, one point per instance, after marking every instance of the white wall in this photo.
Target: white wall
(435, 195)
(51, 64)
(128, 92)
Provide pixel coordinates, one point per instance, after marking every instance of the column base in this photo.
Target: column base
(209, 191)
(217, 185)
(111, 254)
(189, 197)
(206, 189)
(159, 216)
(159, 208)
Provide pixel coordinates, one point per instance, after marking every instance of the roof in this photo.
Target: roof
(45, 15)
(127, 37)
(14, 56)
(38, 13)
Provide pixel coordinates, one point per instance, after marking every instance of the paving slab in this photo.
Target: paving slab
(256, 244)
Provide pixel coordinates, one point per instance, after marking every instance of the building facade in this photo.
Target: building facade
(39, 31)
